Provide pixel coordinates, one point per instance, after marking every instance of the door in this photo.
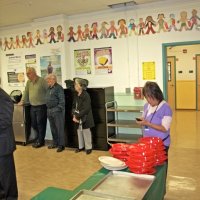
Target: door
(171, 81)
(198, 80)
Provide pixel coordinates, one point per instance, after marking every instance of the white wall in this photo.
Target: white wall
(128, 53)
(40, 50)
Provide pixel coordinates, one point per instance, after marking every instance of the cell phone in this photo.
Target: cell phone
(138, 119)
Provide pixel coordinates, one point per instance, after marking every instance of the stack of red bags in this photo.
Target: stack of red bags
(158, 145)
(141, 159)
(119, 151)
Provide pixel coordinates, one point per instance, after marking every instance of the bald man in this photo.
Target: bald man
(55, 102)
(35, 93)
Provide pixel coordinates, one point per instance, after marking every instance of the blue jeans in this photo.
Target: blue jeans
(39, 122)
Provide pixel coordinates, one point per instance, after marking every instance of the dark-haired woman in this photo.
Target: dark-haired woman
(157, 115)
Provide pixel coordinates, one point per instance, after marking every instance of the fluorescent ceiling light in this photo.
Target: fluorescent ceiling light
(121, 5)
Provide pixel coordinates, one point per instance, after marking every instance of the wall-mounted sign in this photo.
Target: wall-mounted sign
(148, 70)
(103, 60)
(82, 61)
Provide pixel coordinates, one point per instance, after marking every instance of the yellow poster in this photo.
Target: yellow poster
(149, 71)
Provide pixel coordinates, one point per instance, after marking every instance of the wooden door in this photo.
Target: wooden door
(171, 81)
(198, 81)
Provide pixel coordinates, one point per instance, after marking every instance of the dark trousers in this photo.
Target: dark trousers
(166, 151)
(39, 122)
(56, 121)
(8, 182)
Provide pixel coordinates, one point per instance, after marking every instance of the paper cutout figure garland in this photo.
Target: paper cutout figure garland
(79, 34)
(11, 43)
(103, 30)
(60, 35)
(172, 23)
(45, 36)
(141, 27)
(52, 35)
(17, 42)
(24, 41)
(132, 27)
(194, 19)
(183, 20)
(71, 34)
(149, 24)
(112, 31)
(86, 33)
(162, 25)
(30, 39)
(94, 31)
(122, 30)
(38, 37)
(6, 44)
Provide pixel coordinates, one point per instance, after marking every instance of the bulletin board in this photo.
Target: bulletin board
(149, 70)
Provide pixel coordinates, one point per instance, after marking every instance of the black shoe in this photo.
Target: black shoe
(79, 150)
(60, 149)
(88, 151)
(52, 146)
(38, 145)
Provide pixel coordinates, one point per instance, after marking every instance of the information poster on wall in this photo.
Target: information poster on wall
(82, 61)
(149, 71)
(103, 60)
(16, 79)
(30, 60)
(14, 62)
(51, 64)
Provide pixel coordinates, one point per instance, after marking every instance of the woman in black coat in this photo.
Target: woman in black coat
(82, 116)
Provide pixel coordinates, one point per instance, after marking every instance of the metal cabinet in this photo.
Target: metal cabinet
(22, 124)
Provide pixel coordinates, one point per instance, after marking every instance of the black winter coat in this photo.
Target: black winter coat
(83, 104)
(7, 141)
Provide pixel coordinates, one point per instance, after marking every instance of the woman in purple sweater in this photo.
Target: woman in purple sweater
(157, 115)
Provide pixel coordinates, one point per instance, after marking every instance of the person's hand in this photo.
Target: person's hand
(143, 122)
(75, 120)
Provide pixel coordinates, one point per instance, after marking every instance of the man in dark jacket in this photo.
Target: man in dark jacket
(55, 101)
(8, 183)
(82, 116)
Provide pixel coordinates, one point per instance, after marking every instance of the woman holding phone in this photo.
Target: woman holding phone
(157, 116)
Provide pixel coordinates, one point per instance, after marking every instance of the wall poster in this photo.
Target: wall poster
(16, 79)
(148, 70)
(51, 64)
(14, 61)
(82, 61)
(15, 69)
(30, 60)
(103, 60)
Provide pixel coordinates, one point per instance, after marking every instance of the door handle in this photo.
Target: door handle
(172, 85)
